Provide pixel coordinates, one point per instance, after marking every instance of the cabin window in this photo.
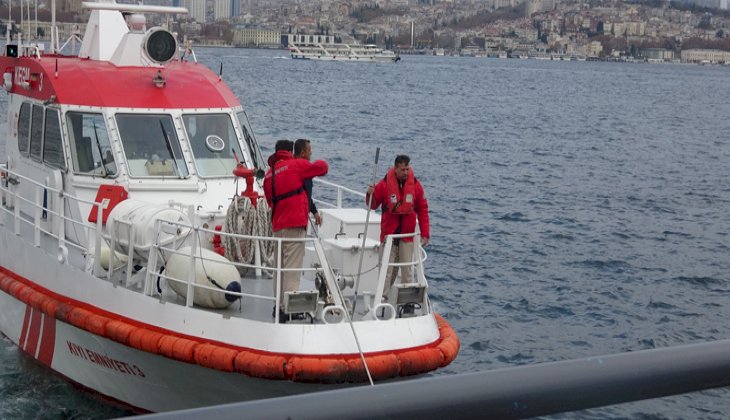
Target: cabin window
(213, 141)
(24, 128)
(36, 133)
(91, 152)
(151, 145)
(53, 143)
(253, 147)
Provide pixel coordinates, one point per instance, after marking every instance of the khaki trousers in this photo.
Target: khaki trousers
(400, 253)
(292, 256)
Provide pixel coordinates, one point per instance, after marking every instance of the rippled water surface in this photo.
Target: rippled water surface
(577, 208)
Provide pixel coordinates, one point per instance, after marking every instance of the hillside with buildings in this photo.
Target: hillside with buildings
(695, 30)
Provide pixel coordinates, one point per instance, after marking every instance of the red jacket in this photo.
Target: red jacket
(292, 207)
(391, 223)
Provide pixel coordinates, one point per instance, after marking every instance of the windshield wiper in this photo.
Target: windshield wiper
(101, 154)
(168, 143)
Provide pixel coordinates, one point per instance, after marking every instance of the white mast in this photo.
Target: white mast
(27, 7)
(54, 35)
(10, 23)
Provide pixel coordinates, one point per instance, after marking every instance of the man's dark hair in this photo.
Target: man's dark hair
(299, 146)
(402, 159)
(284, 145)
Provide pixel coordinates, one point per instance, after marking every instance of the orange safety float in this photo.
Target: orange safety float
(298, 368)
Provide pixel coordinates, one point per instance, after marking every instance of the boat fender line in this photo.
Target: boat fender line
(243, 218)
(326, 369)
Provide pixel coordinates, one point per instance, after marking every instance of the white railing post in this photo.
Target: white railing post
(97, 240)
(61, 220)
(16, 211)
(278, 280)
(130, 255)
(339, 197)
(152, 262)
(421, 276)
(384, 265)
(193, 252)
(191, 274)
(112, 249)
(37, 217)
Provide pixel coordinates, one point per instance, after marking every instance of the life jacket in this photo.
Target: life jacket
(279, 197)
(400, 201)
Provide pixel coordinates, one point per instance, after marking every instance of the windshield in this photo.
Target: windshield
(91, 152)
(213, 143)
(258, 160)
(151, 145)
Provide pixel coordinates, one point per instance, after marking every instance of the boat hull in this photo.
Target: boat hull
(145, 381)
(154, 369)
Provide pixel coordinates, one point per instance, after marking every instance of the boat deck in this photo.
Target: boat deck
(256, 301)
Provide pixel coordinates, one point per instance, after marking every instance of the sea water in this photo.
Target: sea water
(577, 208)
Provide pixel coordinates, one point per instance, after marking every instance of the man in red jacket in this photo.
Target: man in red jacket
(285, 193)
(403, 202)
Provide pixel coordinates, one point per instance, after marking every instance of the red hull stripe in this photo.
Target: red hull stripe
(26, 325)
(48, 340)
(34, 333)
(298, 368)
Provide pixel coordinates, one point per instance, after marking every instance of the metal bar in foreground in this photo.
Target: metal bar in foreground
(510, 393)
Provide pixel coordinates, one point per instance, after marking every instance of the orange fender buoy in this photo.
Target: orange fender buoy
(259, 365)
(36, 300)
(449, 344)
(62, 312)
(77, 317)
(317, 370)
(449, 347)
(177, 348)
(381, 366)
(50, 306)
(5, 282)
(144, 339)
(96, 324)
(25, 293)
(216, 357)
(418, 361)
(119, 331)
(18, 288)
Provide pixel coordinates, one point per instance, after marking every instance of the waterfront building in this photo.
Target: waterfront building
(657, 54)
(705, 56)
(249, 37)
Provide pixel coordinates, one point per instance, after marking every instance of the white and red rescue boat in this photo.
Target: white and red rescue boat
(126, 268)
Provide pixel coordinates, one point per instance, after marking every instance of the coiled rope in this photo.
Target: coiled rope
(244, 219)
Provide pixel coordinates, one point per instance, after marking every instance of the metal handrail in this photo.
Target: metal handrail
(329, 276)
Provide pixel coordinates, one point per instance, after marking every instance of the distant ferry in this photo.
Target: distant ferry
(342, 52)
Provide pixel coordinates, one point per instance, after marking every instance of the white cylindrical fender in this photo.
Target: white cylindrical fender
(143, 216)
(210, 267)
(105, 258)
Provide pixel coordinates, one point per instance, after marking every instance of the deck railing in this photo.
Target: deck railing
(89, 239)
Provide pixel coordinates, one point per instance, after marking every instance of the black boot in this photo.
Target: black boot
(283, 318)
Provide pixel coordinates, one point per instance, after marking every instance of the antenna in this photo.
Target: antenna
(10, 23)
(54, 35)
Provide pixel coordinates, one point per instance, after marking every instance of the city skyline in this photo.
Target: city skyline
(605, 29)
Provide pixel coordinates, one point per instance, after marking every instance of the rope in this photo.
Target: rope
(244, 219)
